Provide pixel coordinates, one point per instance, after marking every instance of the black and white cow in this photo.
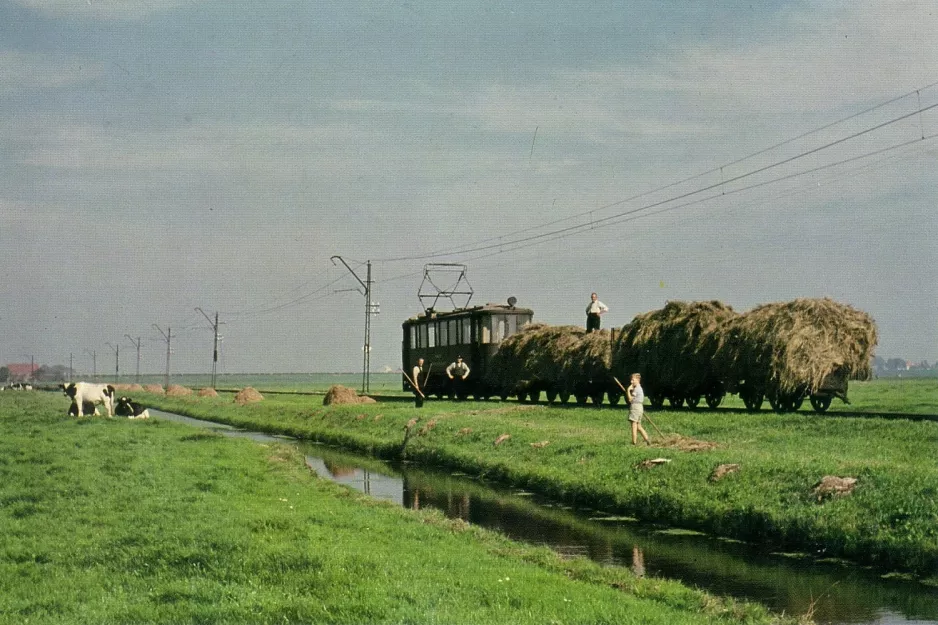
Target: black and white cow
(87, 408)
(126, 407)
(82, 392)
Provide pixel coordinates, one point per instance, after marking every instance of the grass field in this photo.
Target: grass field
(890, 520)
(120, 521)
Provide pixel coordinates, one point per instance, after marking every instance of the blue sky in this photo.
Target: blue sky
(164, 155)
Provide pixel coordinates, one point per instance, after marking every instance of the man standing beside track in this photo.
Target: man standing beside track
(415, 383)
(457, 372)
(593, 311)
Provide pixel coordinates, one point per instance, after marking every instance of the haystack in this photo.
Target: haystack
(175, 390)
(338, 394)
(794, 346)
(153, 388)
(587, 361)
(673, 347)
(208, 392)
(537, 355)
(247, 395)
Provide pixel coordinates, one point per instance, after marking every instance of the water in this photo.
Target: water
(840, 593)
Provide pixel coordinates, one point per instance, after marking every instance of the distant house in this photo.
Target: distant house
(21, 372)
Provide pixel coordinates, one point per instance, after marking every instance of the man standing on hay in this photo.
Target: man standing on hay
(636, 397)
(593, 311)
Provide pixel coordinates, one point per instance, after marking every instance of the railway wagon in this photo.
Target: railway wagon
(474, 333)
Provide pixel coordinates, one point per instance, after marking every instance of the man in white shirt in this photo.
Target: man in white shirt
(415, 377)
(457, 372)
(593, 311)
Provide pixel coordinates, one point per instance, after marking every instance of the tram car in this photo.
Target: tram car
(474, 333)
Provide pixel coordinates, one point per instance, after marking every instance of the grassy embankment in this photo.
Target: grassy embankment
(120, 521)
(890, 520)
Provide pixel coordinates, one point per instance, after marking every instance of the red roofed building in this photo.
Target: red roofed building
(21, 372)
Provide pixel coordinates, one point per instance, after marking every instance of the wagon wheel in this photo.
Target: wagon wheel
(613, 397)
(597, 398)
(564, 396)
(776, 402)
(676, 401)
(821, 403)
(714, 398)
(534, 397)
(581, 399)
(656, 401)
(551, 396)
(753, 401)
(503, 396)
(439, 394)
(522, 396)
(692, 401)
(797, 402)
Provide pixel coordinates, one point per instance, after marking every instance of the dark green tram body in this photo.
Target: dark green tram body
(474, 333)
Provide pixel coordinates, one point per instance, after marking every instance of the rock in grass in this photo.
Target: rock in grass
(722, 471)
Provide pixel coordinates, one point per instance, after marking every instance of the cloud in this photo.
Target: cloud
(122, 10)
(25, 72)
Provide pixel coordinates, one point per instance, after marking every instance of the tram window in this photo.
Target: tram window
(498, 328)
(453, 332)
(486, 333)
(431, 335)
(442, 333)
(512, 325)
(466, 331)
(411, 338)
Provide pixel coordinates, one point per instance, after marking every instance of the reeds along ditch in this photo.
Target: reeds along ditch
(689, 349)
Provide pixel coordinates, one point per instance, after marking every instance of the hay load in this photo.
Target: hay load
(534, 359)
(247, 395)
(586, 367)
(788, 350)
(673, 348)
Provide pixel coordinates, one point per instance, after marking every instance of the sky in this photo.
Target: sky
(162, 161)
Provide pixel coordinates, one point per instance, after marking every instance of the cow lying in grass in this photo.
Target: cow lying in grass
(126, 407)
(82, 392)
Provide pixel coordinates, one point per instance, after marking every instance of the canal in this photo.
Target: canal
(836, 592)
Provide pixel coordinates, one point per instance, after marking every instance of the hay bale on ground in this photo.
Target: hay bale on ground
(793, 347)
(338, 394)
(175, 390)
(247, 395)
(153, 388)
(685, 443)
(833, 486)
(673, 348)
(208, 392)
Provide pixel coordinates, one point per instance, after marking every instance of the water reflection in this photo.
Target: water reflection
(838, 593)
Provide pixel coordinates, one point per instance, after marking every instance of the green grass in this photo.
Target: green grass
(121, 521)
(890, 520)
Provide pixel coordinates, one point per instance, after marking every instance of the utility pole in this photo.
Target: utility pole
(137, 345)
(168, 337)
(215, 348)
(370, 309)
(117, 361)
(94, 363)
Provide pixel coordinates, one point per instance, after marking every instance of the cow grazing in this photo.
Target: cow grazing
(82, 392)
(126, 407)
(88, 408)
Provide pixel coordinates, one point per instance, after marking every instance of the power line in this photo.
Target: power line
(479, 247)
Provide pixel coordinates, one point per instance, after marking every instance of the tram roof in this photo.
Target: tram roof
(458, 312)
